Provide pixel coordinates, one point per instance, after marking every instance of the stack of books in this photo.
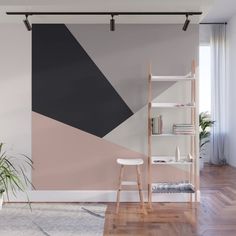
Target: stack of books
(157, 125)
(183, 129)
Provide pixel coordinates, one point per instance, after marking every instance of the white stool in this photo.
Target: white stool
(129, 162)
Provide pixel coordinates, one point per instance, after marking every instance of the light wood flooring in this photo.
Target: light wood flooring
(214, 216)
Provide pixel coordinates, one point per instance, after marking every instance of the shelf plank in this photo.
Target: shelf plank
(172, 163)
(171, 105)
(171, 135)
(168, 162)
(172, 78)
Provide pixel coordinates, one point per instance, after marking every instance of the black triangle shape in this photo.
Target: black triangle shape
(68, 86)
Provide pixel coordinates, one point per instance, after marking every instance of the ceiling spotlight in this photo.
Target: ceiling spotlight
(186, 23)
(112, 24)
(27, 24)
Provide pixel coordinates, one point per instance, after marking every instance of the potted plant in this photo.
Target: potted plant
(12, 174)
(205, 123)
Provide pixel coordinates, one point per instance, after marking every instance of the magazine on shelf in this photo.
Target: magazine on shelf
(183, 129)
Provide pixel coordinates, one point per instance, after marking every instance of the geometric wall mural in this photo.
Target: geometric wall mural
(69, 87)
(89, 95)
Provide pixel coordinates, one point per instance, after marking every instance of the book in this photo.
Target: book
(157, 125)
(183, 129)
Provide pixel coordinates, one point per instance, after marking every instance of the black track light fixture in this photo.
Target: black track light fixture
(27, 24)
(112, 23)
(186, 23)
(112, 14)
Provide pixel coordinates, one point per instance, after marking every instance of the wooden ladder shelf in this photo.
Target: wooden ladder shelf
(152, 161)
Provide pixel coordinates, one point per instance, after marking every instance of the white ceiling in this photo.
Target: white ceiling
(221, 11)
(104, 5)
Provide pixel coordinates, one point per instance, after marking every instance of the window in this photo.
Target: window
(205, 79)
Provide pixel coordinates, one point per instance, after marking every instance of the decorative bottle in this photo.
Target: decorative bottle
(177, 154)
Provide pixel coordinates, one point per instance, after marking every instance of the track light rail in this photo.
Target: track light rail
(112, 14)
(104, 13)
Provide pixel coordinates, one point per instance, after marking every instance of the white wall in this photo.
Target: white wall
(204, 34)
(15, 88)
(231, 36)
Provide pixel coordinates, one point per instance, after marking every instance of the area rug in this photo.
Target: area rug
(52, 219)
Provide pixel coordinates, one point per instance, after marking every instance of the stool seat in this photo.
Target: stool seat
(129, 162)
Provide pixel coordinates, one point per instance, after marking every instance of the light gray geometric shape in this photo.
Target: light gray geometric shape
(132, 133)
(123, 55)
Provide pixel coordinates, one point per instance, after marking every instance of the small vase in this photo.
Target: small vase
(190, 158)
(177, 154)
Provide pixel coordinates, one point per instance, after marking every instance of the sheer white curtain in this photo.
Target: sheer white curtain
(219, 88)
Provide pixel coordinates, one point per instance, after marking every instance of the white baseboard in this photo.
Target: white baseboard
(97, 196)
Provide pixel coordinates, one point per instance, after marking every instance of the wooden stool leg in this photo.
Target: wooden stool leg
(119, 189)
(140, 188)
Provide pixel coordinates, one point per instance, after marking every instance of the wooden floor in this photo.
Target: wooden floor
(214, 216)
